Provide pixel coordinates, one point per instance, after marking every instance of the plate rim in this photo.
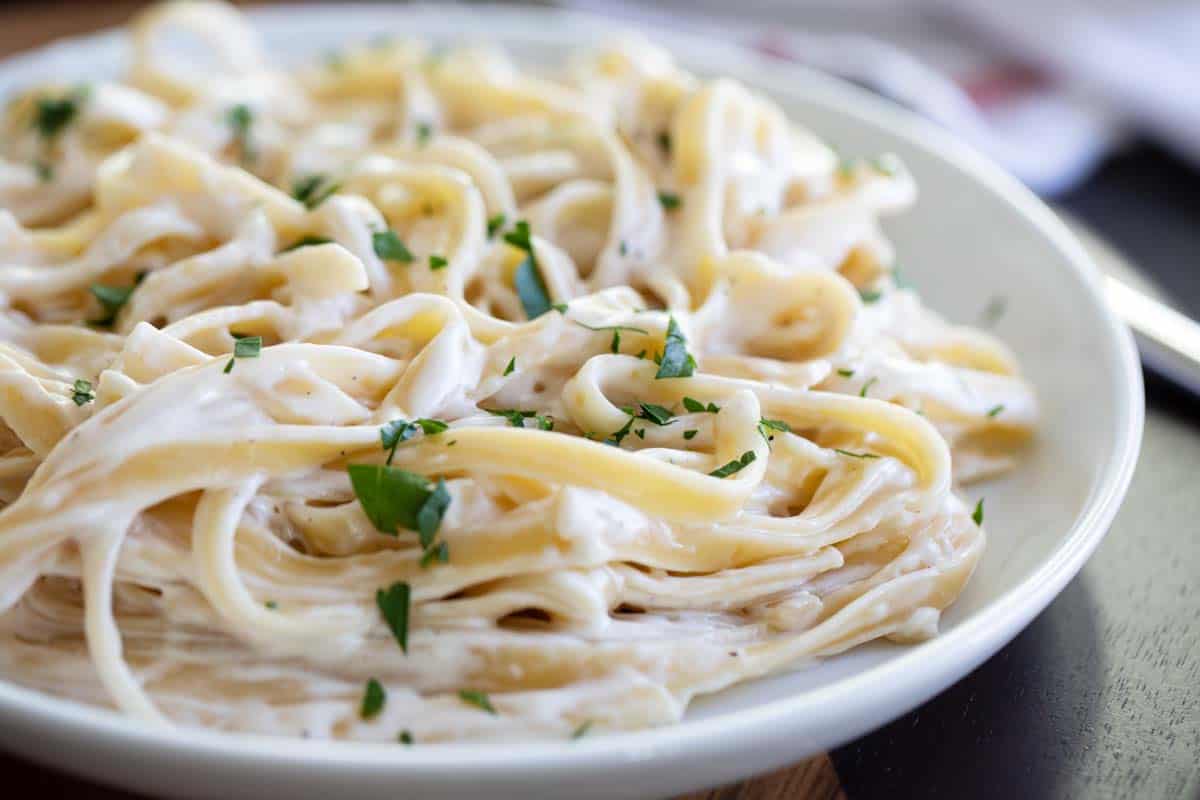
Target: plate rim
(911, 677)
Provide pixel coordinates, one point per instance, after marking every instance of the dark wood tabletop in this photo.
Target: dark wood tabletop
(1100, 696)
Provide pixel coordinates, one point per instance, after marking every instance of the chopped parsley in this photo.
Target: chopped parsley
(306, 241)
(676, 361)
(854, 455)
(424, 133)
(614, 346)
(993, 311)
(312, 190)
(82, 392)
(846, 373)
(272, 605)
(393, 498)
(582, 730)
(866, 386)
(664, 142)
(977, 514)
(655, 413)
(394, 604)
(401, 430)
(53, 114)
(239, 118)
(112, 299)
(619, 435)
(494, 224)
(44, 170)
(623, 248)
(696, 407)
(641, 433)
(244, 347)
(373, 699)
(870, 295)
(512, 365)
(669, 200)
(439, 552)
(690, 434)
(765, 425)
(437, 262)
(405, 737)
(527, 279)
(389, 247)
(994, 410)
(736, 465)
(477, 698)
(516, 418)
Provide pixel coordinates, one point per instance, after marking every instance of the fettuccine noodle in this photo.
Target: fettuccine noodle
(410, 394)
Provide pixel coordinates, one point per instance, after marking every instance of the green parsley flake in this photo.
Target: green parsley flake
(516, 418)
(312, 190)
(389, 247)
(439, 552)
(619, 435)
(244, 347)
(401, 430)
(664, 142)
(477, 698)
(696, 407)
(995, 410)
(854, 455)
(690, 434)
(655, 413)
(239, 118)
(993, 311)
(272, 605)
(373, 699)
(393, 498)
(866, 386)
(527, 279)
(614, 346)
(83, 393)
(765, 425)
(405, 737)
(53, 114)
(44, 170)
(582, 730)
(394, 604)
(494, 224)
(112, 299)
(424, 133)
(846, 373)
(977, 514)
(736, 465)
(512, 365)
(870, 295)
(437, 262)
(676, 361)
(307, 241)
(429, 516)
(669, 200)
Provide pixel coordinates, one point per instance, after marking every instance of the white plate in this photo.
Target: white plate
(974, 235)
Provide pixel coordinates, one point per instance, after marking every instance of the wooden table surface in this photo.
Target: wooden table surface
(1100, 696)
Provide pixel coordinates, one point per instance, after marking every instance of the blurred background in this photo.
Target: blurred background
(1094, 104)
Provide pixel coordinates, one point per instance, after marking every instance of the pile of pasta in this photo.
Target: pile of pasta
(408, 395)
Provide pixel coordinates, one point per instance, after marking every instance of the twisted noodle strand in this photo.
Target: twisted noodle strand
(731, 446)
